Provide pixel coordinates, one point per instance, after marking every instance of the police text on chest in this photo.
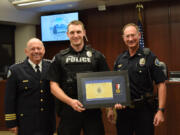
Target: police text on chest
(73, 59)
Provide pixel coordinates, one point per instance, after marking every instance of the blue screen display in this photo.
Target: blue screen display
(54, 27)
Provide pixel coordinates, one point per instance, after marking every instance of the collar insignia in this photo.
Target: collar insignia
(24, 81)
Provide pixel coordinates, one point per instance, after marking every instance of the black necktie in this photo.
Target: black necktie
(37, 70)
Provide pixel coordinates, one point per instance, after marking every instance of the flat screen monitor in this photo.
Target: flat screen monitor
(54, 27)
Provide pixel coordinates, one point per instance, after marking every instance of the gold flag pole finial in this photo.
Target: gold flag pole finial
(139, 6)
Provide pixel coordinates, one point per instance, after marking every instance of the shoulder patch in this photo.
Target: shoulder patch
(8, 73)
(157, 62)
(63, 52)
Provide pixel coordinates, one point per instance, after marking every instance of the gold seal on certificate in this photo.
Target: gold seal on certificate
(103, 89)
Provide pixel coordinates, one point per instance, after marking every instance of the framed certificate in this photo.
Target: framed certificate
(103, 89)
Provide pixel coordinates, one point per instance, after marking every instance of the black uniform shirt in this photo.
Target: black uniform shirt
(69, 62)
(142, 69)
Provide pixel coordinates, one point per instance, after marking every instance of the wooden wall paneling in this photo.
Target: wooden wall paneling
(157, 30)
(156, 13)
(100, 33)
(172, 113)
(159, 43)
(174, 12)
(173, 110)
(175, 45)
(129, 14)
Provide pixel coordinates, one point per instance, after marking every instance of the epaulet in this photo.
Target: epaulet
(11, 67)
(19, 62)
(48, 60)
(146, 51)
(63, 52)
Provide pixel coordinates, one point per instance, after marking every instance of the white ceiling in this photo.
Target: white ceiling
(66, 5)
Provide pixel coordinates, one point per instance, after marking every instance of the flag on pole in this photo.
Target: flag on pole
(140, 24)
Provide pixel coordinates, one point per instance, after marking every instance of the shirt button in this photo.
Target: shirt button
(140, 71)
(41, 91)
(42, 109)
(41, 100)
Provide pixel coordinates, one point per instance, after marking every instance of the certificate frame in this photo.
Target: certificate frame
(103, 89)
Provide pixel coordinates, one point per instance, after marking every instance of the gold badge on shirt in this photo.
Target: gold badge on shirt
(142, 62)
(25, 81)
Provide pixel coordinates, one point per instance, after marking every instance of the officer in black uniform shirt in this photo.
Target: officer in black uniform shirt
(143, 68)
(29, 104)
(75, 59)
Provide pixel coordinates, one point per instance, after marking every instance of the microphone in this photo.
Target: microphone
(86, 38)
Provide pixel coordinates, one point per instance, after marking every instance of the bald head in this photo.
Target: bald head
(35, 50)
(33, 41)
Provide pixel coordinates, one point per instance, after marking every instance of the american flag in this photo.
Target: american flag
(140, 24)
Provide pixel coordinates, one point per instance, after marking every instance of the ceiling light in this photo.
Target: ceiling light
(28, 2)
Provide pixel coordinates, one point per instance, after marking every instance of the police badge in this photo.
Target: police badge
(142, 62)
(89, 53)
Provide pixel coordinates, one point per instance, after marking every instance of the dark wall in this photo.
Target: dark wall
(161, 31)
(6, 48)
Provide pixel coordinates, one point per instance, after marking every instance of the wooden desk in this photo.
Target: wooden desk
(172, 113)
